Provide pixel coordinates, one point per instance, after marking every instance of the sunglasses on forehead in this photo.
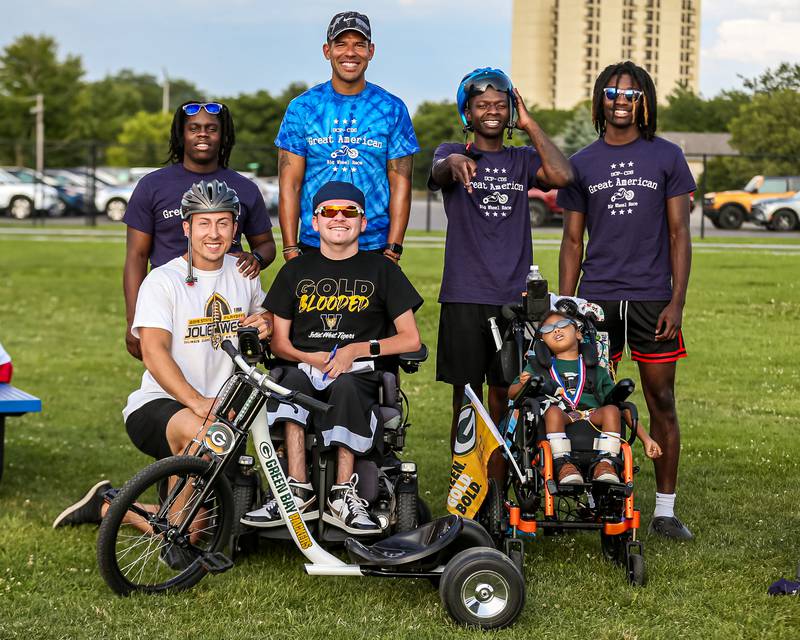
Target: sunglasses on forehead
(629, 94)
(552, 326)
(330, 211)
(193, 108)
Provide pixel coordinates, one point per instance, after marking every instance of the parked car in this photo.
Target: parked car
(778, 214)
(729, 209)
(270, 192)
(20, 199)
(113, 200)
(543, 206)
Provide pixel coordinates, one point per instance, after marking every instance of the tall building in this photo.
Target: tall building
(558, 47)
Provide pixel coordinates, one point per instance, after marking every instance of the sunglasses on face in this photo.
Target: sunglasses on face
(629, 94)
(348, 211)
(552, 326)
(193, 108)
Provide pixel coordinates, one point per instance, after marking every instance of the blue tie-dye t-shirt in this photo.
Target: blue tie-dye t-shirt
(349, 138)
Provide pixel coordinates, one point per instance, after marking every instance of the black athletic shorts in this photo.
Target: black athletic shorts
(147, 426)
(634, 322)
(466, 352)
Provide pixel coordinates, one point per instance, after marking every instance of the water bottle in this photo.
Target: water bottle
(538, 295)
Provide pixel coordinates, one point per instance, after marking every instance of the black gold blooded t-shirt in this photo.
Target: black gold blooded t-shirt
(334, 302)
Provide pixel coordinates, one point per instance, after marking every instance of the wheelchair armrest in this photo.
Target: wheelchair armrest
(634, 415)
(620, 392)
(409, 362)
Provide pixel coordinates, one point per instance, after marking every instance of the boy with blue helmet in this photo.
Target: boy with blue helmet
(488, 249)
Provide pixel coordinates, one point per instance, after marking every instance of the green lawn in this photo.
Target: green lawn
(62, 319)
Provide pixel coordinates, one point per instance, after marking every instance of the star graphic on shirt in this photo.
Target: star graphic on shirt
(613, 166)
(503, 213)
(344, 121)
(495, 170)
(630, 211)
(352, 120)
(336, 121)
(621, 164)
(336, 168)
(487, 214)
(353, 169)
(487, 169)
(503, 170)
(630, 164)
(494, 213)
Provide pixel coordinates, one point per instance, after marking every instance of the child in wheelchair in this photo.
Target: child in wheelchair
(579, 395)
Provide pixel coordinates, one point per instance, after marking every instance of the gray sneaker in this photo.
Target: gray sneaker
(270, 515)
(87, 510)
(669, 527)
(349, 512)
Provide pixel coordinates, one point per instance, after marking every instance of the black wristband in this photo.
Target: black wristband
(395, 247)
(260, 259)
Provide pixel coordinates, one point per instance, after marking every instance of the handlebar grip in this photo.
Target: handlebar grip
(311, 404)
(511, 311)
(227, 347)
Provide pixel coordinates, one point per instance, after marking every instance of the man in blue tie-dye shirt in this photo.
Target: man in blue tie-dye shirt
(350, 130)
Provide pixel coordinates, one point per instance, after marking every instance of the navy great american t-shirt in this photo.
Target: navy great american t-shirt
(488, 250)
(622, 190)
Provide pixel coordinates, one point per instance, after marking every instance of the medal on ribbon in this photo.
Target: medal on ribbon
(571, 398)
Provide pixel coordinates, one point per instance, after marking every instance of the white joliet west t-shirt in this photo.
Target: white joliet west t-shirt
(199, 318)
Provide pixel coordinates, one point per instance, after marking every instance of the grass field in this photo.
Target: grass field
(62, 319)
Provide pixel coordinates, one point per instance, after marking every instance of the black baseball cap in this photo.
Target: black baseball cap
(349, 21)
(338, 190)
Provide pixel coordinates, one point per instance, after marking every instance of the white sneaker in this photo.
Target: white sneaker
(270, 515)
(349, 512)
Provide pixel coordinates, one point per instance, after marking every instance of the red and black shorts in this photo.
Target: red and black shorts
(634, 322)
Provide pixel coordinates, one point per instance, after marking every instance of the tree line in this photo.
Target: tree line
(121, 115)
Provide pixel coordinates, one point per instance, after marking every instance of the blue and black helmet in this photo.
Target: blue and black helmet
(478, 81)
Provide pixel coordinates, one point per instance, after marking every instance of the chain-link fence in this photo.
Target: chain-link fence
(94, 180)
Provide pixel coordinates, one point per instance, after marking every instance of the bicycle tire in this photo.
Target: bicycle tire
(148, 565)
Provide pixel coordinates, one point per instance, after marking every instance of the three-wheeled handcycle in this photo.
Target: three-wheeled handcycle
(168, 526)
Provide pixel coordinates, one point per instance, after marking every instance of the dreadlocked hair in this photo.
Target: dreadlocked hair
(226, 130)
(644, 109)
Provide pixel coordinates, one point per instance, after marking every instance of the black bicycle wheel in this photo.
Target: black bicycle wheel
(137, 549)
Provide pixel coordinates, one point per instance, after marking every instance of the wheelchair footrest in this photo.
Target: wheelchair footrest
(216, 562)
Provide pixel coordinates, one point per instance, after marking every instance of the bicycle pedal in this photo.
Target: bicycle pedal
(216, 562)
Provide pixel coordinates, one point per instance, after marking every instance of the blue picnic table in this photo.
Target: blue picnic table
(14, 402)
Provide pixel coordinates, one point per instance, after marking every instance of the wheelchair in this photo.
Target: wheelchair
(529, 500)
(388, 483)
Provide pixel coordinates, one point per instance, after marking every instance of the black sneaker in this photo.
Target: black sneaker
(175, 557)
(270, 515)
(349, 512)
(669, 527)
(86, 510)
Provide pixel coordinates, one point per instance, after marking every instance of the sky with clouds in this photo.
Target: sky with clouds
(423, 47)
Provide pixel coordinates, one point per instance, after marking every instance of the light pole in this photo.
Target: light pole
(38, 110)
(165, 92)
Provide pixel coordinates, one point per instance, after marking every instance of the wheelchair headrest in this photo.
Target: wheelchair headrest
(544, 356)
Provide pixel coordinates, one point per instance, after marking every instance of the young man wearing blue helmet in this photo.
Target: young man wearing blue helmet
(488, 250)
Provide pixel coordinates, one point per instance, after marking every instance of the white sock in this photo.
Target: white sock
(665, 505)
(556, 436)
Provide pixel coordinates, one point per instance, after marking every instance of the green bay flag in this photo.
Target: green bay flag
(476, 440)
